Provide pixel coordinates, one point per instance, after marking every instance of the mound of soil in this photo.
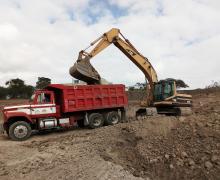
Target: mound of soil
(159, 147)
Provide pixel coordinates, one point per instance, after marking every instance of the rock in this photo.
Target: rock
(200, 103)
(141, 173)
(182, 119)
(208, 124)
(149, 146)
(171, 166)
(62, 147)
(46, 145)
(153, 160)
(180, 162)
(199, 124)
(203, 158)
(208, 165)
(191, 162)
(167, 156)
(184, 154)
(214, 158)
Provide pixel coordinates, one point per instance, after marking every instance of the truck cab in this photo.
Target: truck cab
(20, 119)
(42, 103)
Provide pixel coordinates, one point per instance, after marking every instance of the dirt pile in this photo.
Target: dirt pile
(189, 151)
(160, 147)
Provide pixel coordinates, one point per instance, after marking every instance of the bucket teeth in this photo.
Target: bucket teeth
(83, 70)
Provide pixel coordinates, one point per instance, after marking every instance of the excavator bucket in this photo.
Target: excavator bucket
(84, 71)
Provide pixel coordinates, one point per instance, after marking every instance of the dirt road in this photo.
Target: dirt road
(159, 147)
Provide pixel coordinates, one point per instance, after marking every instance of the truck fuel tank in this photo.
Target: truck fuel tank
(48, 123)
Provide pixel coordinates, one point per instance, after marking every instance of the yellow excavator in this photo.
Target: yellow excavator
(162, 96)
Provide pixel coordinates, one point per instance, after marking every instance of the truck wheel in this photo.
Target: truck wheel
(96, 120)
(112, 118)
(19, 131)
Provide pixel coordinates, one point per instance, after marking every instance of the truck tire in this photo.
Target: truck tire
(19, 131)
(96, 120)
(112, 118)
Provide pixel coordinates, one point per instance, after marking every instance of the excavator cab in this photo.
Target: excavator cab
(163, 90)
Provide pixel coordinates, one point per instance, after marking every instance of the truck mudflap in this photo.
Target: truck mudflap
(2, 129)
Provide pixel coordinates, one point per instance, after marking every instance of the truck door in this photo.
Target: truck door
(44, 105)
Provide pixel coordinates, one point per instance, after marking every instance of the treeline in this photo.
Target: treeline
(16, 88)
(213, 85)
(142, 86)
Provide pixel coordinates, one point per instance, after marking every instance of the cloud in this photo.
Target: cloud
(43, 38)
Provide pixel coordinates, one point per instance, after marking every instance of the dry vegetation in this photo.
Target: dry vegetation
(159, 147)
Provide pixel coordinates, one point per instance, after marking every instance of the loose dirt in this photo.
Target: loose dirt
(160, 147)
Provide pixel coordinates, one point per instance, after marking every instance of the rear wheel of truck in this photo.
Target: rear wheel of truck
(112, 118)
(19, 131)
(96, 120)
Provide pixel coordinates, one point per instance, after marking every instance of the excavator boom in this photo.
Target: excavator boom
(84, 71)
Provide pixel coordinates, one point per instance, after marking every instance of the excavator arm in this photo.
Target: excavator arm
(84, 71)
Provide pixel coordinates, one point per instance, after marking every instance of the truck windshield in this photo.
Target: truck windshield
(44, 98)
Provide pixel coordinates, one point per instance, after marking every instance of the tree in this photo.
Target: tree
(140, 86)
(42, 82)
(28, 91)
(15, 82)
(16, 88)
(214, 84)
(179, 83)
(3, 92)
(131, 88)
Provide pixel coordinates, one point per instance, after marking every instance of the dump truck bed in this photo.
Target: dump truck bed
(89, 97)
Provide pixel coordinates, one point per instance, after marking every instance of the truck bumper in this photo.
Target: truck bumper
(1, 129)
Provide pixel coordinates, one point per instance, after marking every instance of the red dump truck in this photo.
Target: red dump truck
(64, 106)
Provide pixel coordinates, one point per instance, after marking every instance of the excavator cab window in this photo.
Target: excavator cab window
(167, 90)
(157, 92)
(163, 90)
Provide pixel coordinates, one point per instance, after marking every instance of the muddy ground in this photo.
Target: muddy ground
(161, 147)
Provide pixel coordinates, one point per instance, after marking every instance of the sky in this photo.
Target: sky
(181, 38)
